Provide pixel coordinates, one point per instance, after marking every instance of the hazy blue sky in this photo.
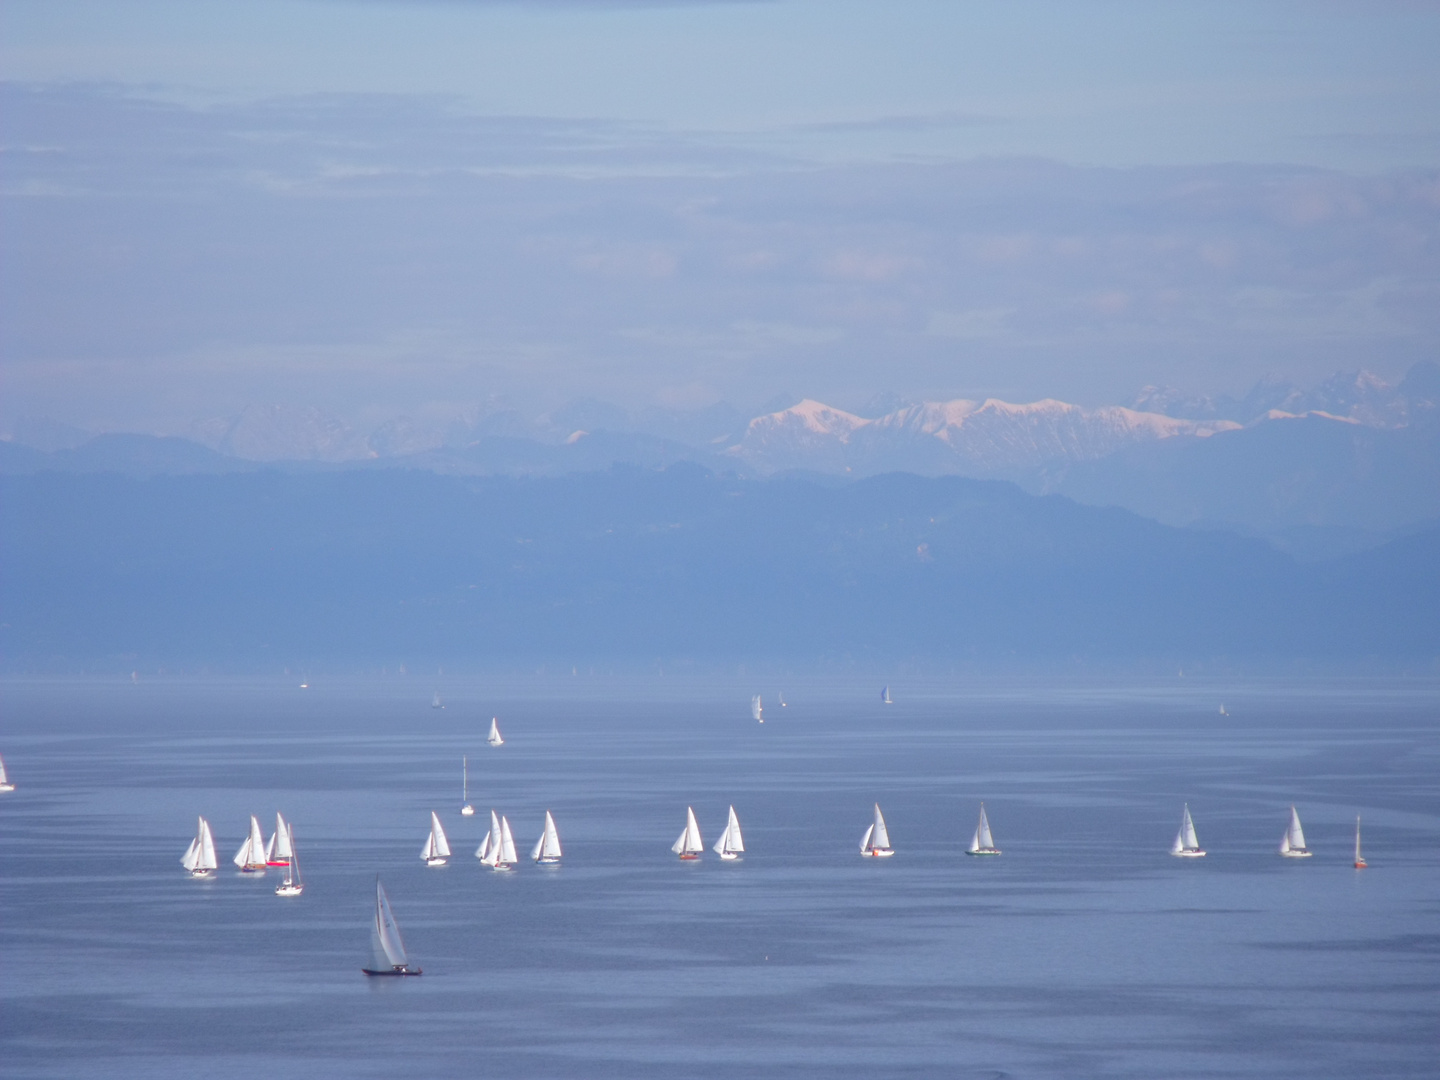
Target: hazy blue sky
(427, 207)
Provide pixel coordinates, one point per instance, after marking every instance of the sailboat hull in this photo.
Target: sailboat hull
(393, 971)
(202, 873)
(1295, 853)
(467, 810)
(983, 851)
(278, 862)
(435, 862)
(878, 853)
(289, 890)
(549, 860)
(1194, 853)
(729, 856)
(688, 858)
(7, 787)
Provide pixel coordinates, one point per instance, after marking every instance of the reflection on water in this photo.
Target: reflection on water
(1085, 950)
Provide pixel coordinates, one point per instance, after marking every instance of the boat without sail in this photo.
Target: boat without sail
(1187, 844)
(876, 841)
(292, 885)
(689, 845)
(466, 810)
(1292, 844)
(731, 844)
(1360, 862)
(251, 856)
(199, 857)
(547, 848)
(982, 843)
(437, 844)
(494, 738)
(385, 941)
(277, 852)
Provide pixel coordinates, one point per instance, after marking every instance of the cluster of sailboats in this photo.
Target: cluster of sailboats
(254, 857)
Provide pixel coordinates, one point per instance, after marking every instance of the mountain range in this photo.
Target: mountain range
(1343, 466)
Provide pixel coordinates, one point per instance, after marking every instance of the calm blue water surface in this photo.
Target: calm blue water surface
(1085, 950)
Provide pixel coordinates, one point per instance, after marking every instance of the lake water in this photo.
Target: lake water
(1085, 950)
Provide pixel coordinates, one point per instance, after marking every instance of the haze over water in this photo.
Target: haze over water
(1084, 950)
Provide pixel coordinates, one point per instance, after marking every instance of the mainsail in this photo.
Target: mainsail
(547, 848)
(689, 845)
(982, 843)
(757, 709)
(277, 852)
(5, 784)
(1292, 845)
(385, 935)
(731, 844)
(437, 845)
(494, 738)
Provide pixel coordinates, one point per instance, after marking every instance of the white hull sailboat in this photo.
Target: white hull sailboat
(437, 845)
(277, 852)
(982, 843)
(251, 856)
(1292, 844)
(731, 844)
(5, 784)
(497, 850)
(466, 810)
(885, 698)
(875, 843)
(385, 941)
(292, 885)
(1187, 844)
(689, 845)
(199, 857)
(1360, 862)
(547, 848)
(435, 702)
(757, 709)
(494, 738)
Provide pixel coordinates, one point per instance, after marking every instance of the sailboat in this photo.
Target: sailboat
(547, 848)
(277, 852)
(876, 841)
(435, 702)
(494, 738)
(982, 843)
(199, 857)
(292, 885)
(885, 698)
(497, 850)
(251, 856)
(1292, 845)
(390, 958)
(466, 810)
(731, 844)
(1360, 862)
(783, 702)
(689, 845)
(1187, 844)
(5, 784)
(757, 710)
(437, 846)
(1224, 711)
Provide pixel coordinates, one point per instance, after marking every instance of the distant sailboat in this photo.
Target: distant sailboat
(731, 844)
(390, 958)
(494, 738)
(199, 857)
(783, 702)
(251, 856)
(277, 852)
(876, 841)
(1360, 862)
(466, 810)
(497, 850)
(1292, 845)
(885, 696)
(547, 848)
(5, 784)
(1223, 710)
(982, 843)
(435, 702)
(689, 845)
(1187, 844)
(757, 710)
(292, 885)
(437, 845)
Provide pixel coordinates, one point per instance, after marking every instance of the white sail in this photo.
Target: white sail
(1178, 847)
(885, 695)
(437, 846)
(731, 843)
(292, 885)
(1295, 834)
(507, 843)
(757, 710)
(494, 738)
(547, 848)
(277, 852)
(880, 838)
(865, 840)
(982, 843)
(5, 784)
(483, 851)
(490, 848)
(689, 843)
(435, 702)
(192, 854)
(251, 855)
(389, 948)
(208, 861)
(1187, 827)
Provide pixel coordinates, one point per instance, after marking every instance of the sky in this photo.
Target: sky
(436, 209)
